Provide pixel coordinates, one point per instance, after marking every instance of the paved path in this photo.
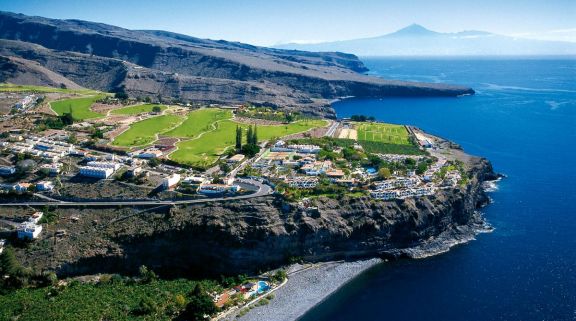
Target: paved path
(330, 132)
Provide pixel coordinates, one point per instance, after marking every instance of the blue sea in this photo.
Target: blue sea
(523, 119)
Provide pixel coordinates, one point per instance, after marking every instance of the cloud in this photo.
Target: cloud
(568, 34)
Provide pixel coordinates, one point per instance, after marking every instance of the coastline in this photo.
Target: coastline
(306, 288)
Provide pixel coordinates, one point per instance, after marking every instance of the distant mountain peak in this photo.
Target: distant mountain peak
(413, 30)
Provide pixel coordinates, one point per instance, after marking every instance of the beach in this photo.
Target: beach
(307, 286)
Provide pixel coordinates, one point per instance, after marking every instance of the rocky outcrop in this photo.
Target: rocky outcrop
(174, 66)
(256, 234)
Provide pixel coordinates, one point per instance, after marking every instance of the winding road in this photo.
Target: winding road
(263, 190)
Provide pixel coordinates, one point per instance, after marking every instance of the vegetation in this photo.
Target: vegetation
(204, 151)
(362, 118)
(144, 132)
(6, 87)
(383, 133)
(79, 108)
(139, 109)
(269, 114)
(199, 121)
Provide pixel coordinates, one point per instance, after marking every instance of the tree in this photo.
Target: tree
(72, 139)
(249, 135)
(146, 274)
(238, 137)
(67, 119)
(255, 135)
(156, 109)
(384, 173)
(121, 95)
(200, 304)
(250, 150)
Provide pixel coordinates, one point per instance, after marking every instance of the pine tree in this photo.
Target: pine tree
(249, 136)
(238, 137)
(255, 136)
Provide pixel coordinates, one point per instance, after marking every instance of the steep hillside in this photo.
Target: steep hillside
(152, 63)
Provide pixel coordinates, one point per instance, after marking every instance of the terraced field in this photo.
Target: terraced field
(146, 131)
(205, 150)
(78, 107)
(137, 109)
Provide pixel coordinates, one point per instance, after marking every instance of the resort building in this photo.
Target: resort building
(218, 189)
(170, 181)
(151, 153)
(302, 182)
(114, 166)
(96, 172)
(44, 186)
(316, 168)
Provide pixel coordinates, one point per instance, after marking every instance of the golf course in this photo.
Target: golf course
(137, 109)
(205, 133)
(78, 107)
(383, 133)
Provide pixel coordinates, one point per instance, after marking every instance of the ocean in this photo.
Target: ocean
(523, 119)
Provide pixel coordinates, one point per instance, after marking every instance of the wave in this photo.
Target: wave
(504, 88)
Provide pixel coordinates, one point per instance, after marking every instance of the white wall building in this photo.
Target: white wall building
(170, 181)
(96, 172)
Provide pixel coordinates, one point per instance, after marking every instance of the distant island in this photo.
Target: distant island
(416, 40)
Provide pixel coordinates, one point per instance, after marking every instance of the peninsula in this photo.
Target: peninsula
(191, 177)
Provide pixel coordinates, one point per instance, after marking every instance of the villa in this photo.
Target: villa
(302, 182)
(29, 230)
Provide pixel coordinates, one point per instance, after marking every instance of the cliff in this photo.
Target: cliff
(174, 66)
(256, 234)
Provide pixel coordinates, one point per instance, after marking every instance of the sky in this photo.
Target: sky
(268, 22)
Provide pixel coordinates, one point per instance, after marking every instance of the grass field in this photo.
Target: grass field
(6, 87)
(79, 107)
(138, 109)
(144, 132)
(204, 151)
(383, 133)
(199, 121)
(112, 301)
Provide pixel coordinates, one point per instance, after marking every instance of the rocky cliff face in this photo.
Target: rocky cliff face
(251, 235)
(174, 66)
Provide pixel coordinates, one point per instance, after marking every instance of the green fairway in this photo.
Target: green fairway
(383, 133)
(6, 87)
(137, 109)
(144, 132)
(79, 107)
(199, 121)
(204, 151)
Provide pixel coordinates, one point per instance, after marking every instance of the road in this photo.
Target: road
(330, 132)
(263, 190)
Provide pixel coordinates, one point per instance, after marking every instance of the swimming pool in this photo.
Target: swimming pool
(263, 287)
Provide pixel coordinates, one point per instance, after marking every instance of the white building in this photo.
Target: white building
(96, 172)
(302, 182)
(113, 165)
(170, 181)
(218, 188)
(44, 186)
(29, 230)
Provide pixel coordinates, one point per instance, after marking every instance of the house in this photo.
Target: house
(194, 181)
(28, 230)
(151, 153)
(384, 194)
(96, 172)
(316, 168)
(51, 169)
(22, 187)
(305, 149)
(44, 186)
(134, 171)
(170, 181)
(7, 170)
(36, 217)
(335, 173)
(236, 158)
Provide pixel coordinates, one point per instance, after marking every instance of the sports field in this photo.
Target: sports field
(137, 109)
(78, 107)
(383, 133)
(204, 151)
(199, 121)
(145, 132)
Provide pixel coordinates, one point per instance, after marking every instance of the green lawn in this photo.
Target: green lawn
(383, 133)
(199, 121)
(79, 107)
(113, 301)
(204, 151)
(144, 132)
(137, 109)
(6, 87)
